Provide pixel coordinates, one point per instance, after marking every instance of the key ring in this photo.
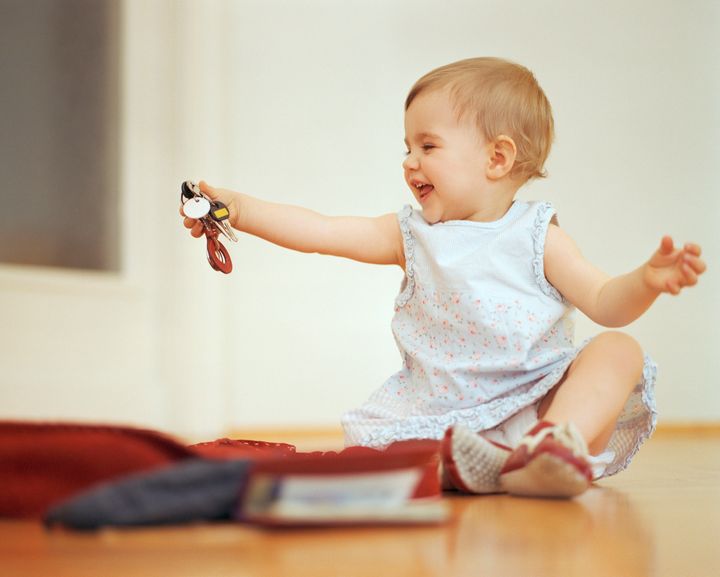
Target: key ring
(218, 255)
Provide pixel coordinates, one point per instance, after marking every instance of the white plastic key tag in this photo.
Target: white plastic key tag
(196, 207)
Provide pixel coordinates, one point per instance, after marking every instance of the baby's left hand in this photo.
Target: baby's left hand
(671, 269)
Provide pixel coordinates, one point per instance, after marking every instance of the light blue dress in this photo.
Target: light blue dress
(482, 335)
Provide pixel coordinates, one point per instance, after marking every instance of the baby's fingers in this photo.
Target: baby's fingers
(207, 190)
(690, 277)
(672, 287)
(666, 245)
(693, 248)
(696, 264)
(196, 227)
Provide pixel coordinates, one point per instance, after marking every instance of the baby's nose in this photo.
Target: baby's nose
(411, 162)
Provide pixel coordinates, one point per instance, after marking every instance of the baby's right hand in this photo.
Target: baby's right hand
(227, 197)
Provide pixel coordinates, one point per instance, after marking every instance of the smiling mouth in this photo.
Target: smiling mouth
(424, 191)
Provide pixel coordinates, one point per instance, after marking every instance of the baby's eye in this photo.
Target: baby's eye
(427, 147)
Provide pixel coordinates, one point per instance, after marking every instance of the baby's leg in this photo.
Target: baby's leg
(550, 461)
(595, 388)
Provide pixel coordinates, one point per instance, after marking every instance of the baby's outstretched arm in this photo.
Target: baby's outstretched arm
(617, 301)
(373, 240)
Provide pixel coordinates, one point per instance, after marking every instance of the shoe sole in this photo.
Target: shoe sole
(545, 476)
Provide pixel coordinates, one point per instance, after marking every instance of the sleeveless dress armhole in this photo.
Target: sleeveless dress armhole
(408, 287)
(543, 217)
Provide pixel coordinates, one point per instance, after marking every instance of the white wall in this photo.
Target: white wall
(301, 102)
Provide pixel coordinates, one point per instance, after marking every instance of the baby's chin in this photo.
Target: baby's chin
(431, 217)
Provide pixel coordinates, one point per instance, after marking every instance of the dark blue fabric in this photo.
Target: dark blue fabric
(191, 490)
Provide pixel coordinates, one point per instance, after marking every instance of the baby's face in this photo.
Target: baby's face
(446, 161)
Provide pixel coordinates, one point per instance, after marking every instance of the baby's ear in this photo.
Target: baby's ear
(502, 152)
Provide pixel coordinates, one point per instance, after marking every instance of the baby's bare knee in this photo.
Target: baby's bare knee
(624, 351)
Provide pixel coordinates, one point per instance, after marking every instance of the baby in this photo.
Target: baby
(483, 318)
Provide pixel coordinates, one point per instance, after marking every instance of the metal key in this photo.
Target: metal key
(220, 214)
(218, 211)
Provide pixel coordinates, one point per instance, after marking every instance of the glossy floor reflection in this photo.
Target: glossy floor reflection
(660, 518)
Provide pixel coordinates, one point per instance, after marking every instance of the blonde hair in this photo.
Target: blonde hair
(503, 98)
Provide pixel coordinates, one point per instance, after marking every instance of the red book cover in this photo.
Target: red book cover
(357, 486)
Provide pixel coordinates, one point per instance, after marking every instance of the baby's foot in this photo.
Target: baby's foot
(550, 461)
(471, 463)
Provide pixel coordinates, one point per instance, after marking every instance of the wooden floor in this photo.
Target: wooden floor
(660, 518)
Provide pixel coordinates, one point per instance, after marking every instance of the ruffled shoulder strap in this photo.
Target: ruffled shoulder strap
(545, 213)
(409, 248)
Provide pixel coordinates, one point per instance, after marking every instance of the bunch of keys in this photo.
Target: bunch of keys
(214, 215)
